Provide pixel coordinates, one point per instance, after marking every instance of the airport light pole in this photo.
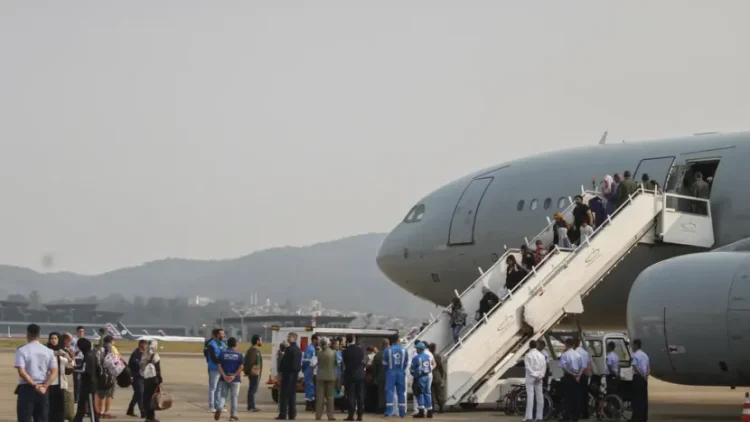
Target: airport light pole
(242, 320)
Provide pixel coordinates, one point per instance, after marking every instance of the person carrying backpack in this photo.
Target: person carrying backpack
(211, 351)
(110, 366)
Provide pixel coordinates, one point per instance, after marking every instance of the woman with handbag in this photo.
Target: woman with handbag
(56, 400)
(152, 380)
(65, 364)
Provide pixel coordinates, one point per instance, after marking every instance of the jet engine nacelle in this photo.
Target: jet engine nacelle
(692, 314)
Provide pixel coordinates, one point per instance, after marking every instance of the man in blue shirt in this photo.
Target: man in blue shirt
(37, 368)
(612, 371)
(307, 358)
(571, 364)
(230, 367)
(212, 350)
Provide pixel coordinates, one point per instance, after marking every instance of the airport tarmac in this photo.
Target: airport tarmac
(185, 377)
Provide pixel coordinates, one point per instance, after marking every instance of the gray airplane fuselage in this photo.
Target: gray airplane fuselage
(441, 253)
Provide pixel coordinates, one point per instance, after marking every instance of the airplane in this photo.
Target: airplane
(130, 336)
(692, 312)
(96, 335)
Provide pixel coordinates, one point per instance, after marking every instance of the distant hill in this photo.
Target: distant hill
(342, 274)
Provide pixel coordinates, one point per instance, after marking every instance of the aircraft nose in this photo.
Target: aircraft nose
(388, 258)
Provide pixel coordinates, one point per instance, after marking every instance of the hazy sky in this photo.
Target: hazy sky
(133, 131)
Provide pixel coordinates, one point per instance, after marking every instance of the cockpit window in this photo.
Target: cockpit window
(415, 214)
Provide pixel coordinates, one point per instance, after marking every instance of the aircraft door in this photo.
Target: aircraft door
(465, 214)
(658, 169)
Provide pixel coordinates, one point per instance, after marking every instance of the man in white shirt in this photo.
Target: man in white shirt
(536, 366)
(37, 368)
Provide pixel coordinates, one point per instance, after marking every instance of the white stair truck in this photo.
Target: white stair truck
(363, 337)
(486, 350)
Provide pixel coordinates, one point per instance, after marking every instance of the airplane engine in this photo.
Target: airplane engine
(692, 314)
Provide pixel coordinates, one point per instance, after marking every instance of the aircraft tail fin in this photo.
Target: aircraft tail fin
(123, 329)
(603, 139)
(162, 332)
(111, 330)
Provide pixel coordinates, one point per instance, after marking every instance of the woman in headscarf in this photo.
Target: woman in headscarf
(65, 368)
(151, 373)
(56, 401)
(488, 301)
(608, 192)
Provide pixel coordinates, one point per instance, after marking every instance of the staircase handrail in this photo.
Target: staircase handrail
(508, 294)
(543, 280)
(446, 310)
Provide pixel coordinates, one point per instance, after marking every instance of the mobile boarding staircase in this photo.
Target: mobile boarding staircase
(555, 288)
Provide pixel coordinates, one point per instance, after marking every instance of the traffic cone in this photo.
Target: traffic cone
(746, 408)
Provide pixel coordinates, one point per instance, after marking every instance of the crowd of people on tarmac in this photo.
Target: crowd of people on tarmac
(45, 392)
(342, 375)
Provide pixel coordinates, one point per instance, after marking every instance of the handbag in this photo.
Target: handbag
(161, 400)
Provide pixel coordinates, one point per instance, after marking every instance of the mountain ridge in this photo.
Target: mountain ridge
(341, 273)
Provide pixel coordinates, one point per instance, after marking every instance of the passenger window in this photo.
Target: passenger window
(519, 207)
(533, 205)
(547, 203)
(561, 203)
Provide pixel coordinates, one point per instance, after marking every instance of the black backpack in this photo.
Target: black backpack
(205, 348)
(125, 379)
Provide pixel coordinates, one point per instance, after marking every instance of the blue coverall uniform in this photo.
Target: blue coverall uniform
(310, 352)
(421, 370)
(395, 361)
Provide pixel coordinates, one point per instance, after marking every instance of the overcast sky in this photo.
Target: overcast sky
(133, 131)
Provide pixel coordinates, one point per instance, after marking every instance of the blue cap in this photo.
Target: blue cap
(419, 345)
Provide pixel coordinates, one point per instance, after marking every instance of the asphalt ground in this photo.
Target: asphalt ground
(186, 378)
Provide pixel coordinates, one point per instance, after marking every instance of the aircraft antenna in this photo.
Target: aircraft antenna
(604, 138)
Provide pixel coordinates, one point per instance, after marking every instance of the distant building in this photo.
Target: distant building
(65, 317)
(261, 324)
(201, 301)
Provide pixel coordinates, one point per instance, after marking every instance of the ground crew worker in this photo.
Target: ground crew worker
(570, 363)
(641, 372)
(583, 383)
(433, 364)
(395, 363)
(612, 371)
(307, 368)
(536, 367)
(421, 369)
